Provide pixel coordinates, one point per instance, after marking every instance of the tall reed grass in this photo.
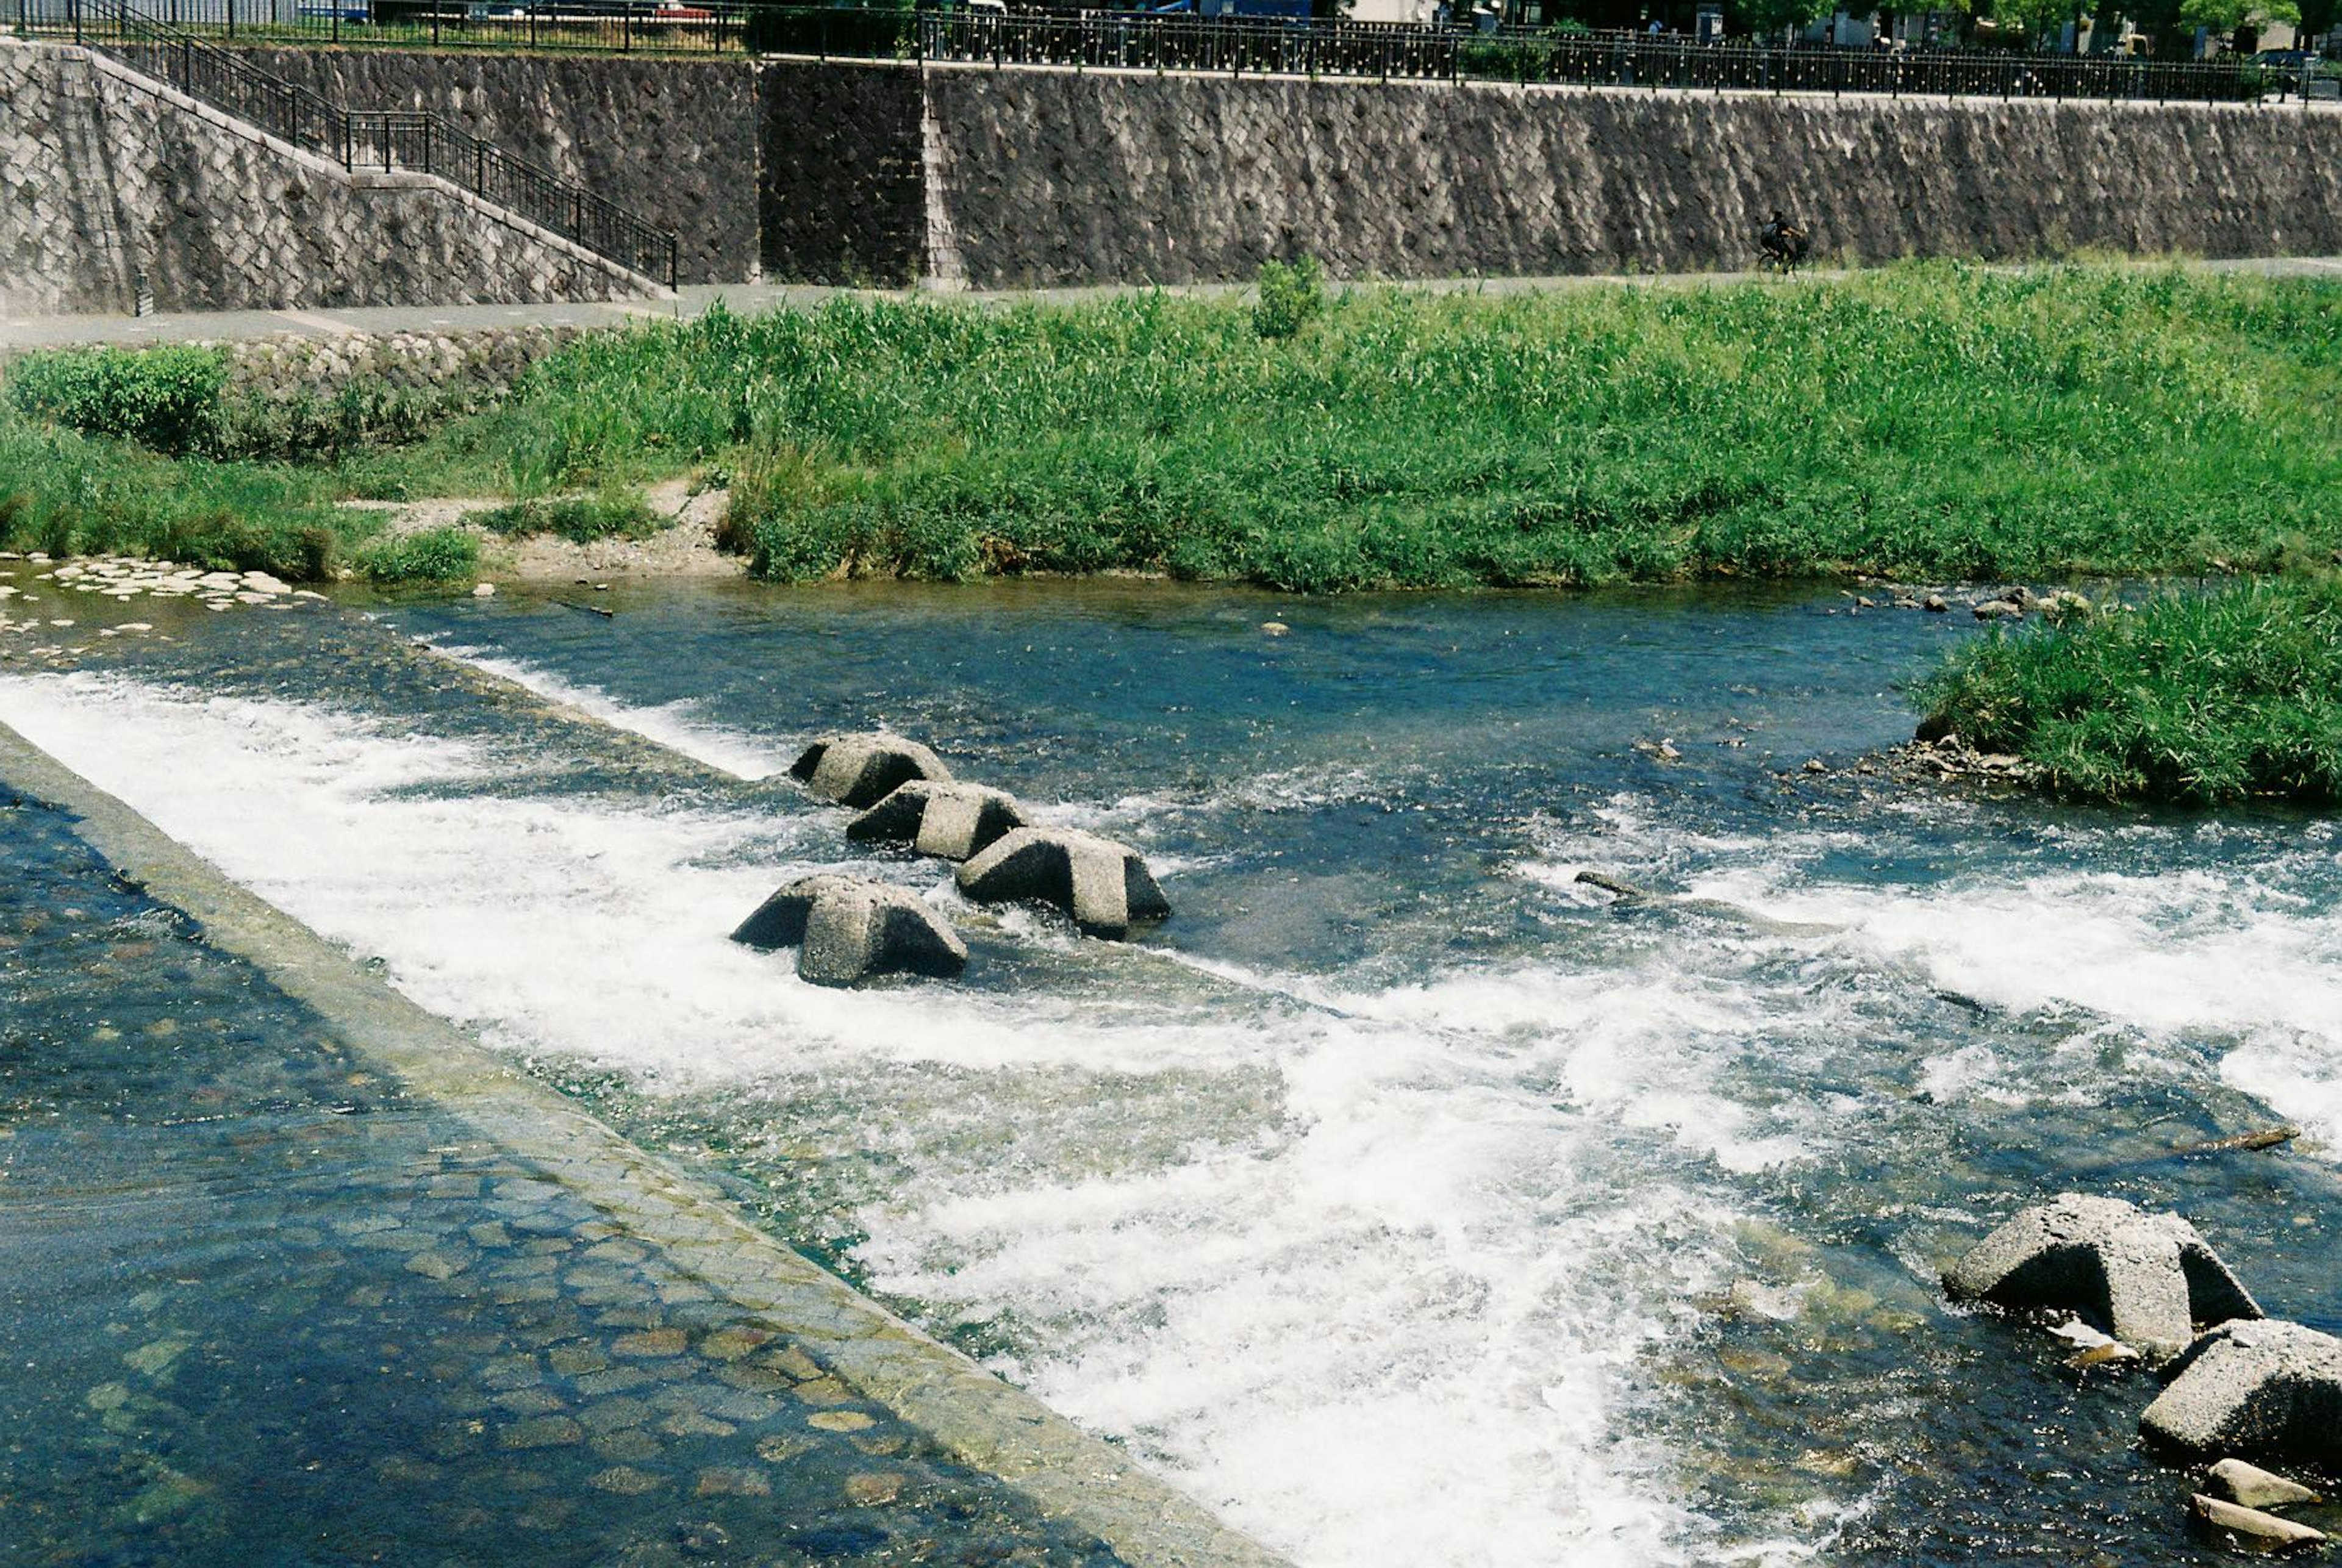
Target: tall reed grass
(1934, 420)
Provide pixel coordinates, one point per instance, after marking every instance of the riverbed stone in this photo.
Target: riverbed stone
(2253, 1487)
(948, 820)
(1104, 885)
(2267, 1389)
(2146, 1279)
(849, 928)
(862, 770)
(2251, 1526)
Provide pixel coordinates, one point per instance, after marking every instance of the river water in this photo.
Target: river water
(1402, 1198)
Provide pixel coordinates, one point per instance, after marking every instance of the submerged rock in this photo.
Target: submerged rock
(2146, 1279)
(2251, 1527)
(1104, 885)
(860, 771)
(949, 821)
(2256, 1488)
(2269, 1389)
(847, 928)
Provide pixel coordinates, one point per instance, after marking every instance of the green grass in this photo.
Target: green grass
(429, 555)
(1932, 421)
(2194, 698)
(580, 519)
(70, 495)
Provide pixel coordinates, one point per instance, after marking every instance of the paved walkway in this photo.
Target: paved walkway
(17, 334)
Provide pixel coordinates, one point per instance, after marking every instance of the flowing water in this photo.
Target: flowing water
(1402, 1198)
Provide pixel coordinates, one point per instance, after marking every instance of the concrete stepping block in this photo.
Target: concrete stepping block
(1104, 885)
(950, 820)
(860, 771)
(849, 928)
(2146, 1279)
(2269, 1389)
(2251, 1527)
(2253, 1487)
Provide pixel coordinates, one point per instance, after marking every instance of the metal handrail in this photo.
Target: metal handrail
(1091, 39)
(393, 139)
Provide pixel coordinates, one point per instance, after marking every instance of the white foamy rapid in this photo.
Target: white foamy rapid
(1377, 1272)
(2246, 957)
(1395, 1315)
(672, 725)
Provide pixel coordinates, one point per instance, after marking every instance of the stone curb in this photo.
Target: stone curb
(978, 1420)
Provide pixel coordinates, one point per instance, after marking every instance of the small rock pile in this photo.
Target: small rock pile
(849, 928)
(29, 583)
(128, 578)
(2004, 605)
(2139, 1286)
(2016, 604)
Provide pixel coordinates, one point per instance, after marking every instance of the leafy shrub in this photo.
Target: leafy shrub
(1292, 295)
(2196, 699)
(580, 519)
(165, 398)
(305, 425)
(431, 555)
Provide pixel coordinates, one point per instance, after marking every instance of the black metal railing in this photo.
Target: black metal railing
(1111, 40)
(393, 140)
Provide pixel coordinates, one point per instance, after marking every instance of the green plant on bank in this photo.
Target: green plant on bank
(1934, 420)
(580, 519)
(68, 493)
(2196, 699)
(429, 555)
(1290, 295)
(166, 398)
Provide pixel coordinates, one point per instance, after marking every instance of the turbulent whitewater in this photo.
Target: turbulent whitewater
(1403, 1198)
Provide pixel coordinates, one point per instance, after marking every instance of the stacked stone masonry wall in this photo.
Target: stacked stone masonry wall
(674, 141)
(102, 181)
(1063, 178)
(878, 173)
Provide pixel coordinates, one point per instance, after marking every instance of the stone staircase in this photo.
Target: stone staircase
(162, 158)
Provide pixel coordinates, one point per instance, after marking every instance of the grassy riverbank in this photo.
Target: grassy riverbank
(2194, 698)
(1931, 421)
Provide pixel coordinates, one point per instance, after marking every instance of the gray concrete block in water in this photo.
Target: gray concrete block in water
(2269, 1389)
(2145, 1279)
(860, 771)
(849, 928)
(1104, 885)
(949, 821)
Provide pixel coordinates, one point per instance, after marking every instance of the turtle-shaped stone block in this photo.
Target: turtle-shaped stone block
(950, 820)
(2269, 1389)
(2145, 1279)
(860, 771)
(1104, 885)
(847, 928)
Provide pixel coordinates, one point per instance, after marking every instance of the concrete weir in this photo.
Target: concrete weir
(974, 1417)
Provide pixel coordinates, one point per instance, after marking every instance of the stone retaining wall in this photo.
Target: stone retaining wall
(672, 140)
(883, 173)
(291, 365)
(841, 194)
(1055, 177)
(105, 176)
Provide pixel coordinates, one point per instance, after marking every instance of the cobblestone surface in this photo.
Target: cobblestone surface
(255, 1300)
